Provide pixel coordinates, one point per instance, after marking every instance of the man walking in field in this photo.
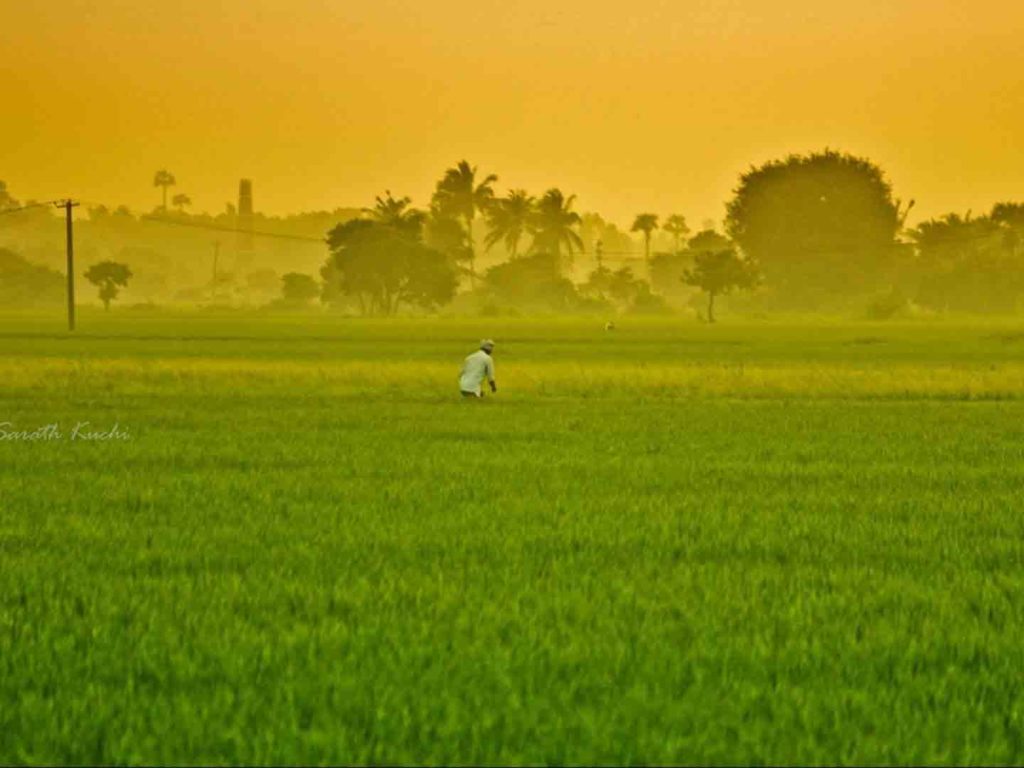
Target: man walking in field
(477, 367)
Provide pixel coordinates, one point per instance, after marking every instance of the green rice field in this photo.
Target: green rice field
(757, 542)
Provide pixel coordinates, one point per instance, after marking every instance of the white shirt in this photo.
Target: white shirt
(475, 369)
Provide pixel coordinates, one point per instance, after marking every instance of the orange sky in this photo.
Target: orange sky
(642, 105)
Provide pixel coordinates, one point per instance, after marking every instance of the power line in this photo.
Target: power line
(321, 241)
(47, 204)
(148, 217)
(218, 228)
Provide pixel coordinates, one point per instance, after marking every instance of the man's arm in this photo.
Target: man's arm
(490, 375)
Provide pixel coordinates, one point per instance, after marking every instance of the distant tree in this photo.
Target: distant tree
(623, 290)
(598, 284)
(23, 284)
(109, 277)
(818, 225)
(593, 229)
(181, 201)
(967, 263)
(509, 220)
(164, 179)
(646, 223)
(263, 281)
(1010, 216)
(532, 282)
(397, 214)
(676, 226)
(6, 201)
(554, 225)
(99, 213)
(461, 196)
(667, 269)
(448, 236)
(718, 273)
(665, 272)
(619, 286)
(708, 240)
(298, 288)
(385, 266)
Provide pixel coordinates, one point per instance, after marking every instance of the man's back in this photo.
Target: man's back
(477, 367)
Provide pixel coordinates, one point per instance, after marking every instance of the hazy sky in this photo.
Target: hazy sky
(641, 105)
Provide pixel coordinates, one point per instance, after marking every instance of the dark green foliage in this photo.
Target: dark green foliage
(6, 201)
(299, 288)
(1009, 214)
(666, 271)
(645, 302)
(460, 196)
(164, 179)
(384, 266)
(645, 223)
(448, 236)
(109, 277)
(889, 305)
(593, 229)
(622, 290)
(510, 219)
(720, 272)
(970, 264)
(398, 215)
(675, 225)
(821, 225)
(531, 282)
(28, 285)
(555, 225)
(708, 241)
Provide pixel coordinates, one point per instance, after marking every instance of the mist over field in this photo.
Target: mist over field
(815, 233)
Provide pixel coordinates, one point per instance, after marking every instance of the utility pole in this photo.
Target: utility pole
(67, 205)
(216, 253)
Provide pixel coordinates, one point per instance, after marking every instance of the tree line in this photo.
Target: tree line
(819, 232)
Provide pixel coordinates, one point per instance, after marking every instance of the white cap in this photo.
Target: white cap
(486, 344)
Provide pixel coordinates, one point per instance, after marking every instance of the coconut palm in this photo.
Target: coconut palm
(460, 196)
(646, 223)
(395, 212)
(508, 219)
(164, 179)
(554, 224)
(676, 226)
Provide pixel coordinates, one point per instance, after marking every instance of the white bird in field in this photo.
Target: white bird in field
(609, 326)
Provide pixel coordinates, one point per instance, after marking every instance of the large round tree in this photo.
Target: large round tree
(818, 225)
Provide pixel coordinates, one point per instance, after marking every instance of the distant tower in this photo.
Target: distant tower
(245, 237)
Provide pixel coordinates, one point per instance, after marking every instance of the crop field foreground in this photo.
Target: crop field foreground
(745, 543)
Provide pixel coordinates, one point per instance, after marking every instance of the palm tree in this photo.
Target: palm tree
(459, 196)
(508, 219)
(554, 224)
(675, 225)
(646, 223)
(164, 179)
(181, 201)
(396, 213)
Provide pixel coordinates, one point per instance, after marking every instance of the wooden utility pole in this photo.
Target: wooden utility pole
(216, 253)
(67, 205)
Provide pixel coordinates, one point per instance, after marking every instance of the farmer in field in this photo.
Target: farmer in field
(477, 367)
